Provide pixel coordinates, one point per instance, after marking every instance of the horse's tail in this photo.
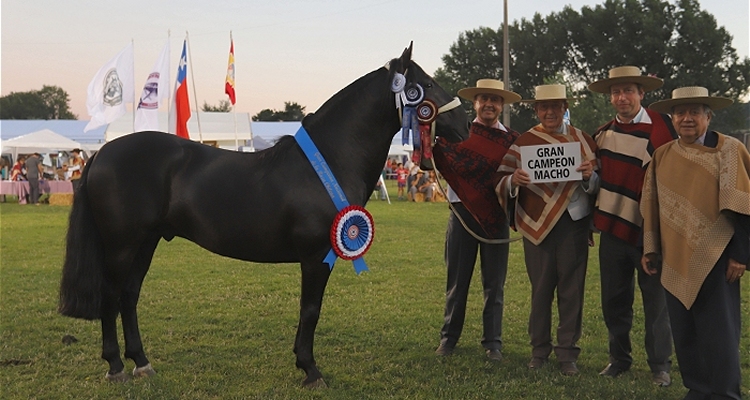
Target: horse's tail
(82, 274)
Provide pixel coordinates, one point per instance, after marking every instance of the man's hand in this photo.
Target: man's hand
(586, 169)
(735, 270)
(520, 178)
(650, 263)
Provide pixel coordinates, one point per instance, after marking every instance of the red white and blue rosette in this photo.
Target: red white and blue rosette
(353, 228)
(352, 232)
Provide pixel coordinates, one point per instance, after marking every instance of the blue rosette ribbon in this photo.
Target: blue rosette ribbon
(353, 228)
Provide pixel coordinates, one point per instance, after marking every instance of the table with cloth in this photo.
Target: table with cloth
(21, 188)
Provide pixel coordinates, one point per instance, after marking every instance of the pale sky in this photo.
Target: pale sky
(302, 51)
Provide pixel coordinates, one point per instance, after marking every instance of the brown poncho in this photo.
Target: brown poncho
(685, 189)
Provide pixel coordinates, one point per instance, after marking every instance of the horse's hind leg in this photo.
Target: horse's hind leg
(128, 306)
(314, 279)
(110, 347)
(122, 279)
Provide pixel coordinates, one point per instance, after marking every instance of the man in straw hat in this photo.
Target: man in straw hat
(554, 221)
(625, 147)
(696, 214)
(470, 168)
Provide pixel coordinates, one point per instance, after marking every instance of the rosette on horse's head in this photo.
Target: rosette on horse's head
(418, 116)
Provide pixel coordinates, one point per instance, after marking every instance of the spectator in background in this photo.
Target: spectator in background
(75, 168)
(413, 168)
(62, 173)
(388, 169)
(16, 173)
(4, 172)
(401, 175)
(34, 171)
(421, 184)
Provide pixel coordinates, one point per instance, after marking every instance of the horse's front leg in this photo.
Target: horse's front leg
(314, 279)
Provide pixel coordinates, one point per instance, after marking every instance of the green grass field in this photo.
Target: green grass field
(217, 328)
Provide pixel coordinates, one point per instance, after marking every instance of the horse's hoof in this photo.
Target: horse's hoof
(316, 384)
(144, 371)
(119, 377)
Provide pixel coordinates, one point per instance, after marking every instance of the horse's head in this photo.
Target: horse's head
(437, 112)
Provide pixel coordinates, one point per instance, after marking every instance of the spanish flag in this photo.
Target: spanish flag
(229, 85)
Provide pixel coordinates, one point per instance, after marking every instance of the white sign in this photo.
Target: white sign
(552, 162)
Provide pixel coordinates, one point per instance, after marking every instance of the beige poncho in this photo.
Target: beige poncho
(685, 189)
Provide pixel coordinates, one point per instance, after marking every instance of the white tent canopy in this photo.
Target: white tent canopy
(220, 127)
(44, 141)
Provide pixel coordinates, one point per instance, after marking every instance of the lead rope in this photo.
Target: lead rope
(453, 104)
(463, 223)
(397, 87)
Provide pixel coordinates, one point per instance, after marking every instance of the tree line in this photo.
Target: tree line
(679, 43)
(51, 102)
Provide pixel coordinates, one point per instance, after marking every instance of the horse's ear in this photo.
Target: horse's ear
(406, 55)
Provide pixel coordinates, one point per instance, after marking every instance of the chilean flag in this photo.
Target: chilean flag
(181, 108)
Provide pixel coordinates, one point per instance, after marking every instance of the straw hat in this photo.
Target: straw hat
(626, 74)
(549, 92)
(490, 86)
(690, 95)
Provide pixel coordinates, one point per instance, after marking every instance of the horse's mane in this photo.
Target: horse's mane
(332, 108)
(332, 105)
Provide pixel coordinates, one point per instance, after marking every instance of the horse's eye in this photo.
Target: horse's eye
(428, 85)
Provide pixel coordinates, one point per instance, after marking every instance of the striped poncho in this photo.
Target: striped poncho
(624, 152)
(539, 206)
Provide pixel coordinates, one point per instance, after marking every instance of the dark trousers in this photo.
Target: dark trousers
(558, 263)
(619, 261)
(460, 257)
(707, 337)
(33, 190)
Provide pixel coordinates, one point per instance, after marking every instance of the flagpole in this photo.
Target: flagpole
(234, 108)
(236, 139)
(506, 62)
(169, 87)
(132, 41)
(250, 126)
(192, 78)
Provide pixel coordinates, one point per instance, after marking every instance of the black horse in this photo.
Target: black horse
(149, 185)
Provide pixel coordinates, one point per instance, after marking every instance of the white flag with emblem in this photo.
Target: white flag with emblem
(111, 89)
(155, 92)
